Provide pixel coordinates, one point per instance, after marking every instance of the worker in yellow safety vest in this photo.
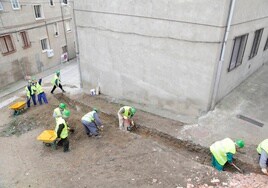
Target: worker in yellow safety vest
(56, 82)
(61, 130)
(40, 92)
(59, 111)
(92, 123)
(262, 150)
(125, 114)
(223, 151)
(30, 93)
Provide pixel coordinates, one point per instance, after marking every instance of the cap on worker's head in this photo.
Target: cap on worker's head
(66, 113)
(96, 109)
(57, 72)
(62, 105)
(133, 110)
(240, 143)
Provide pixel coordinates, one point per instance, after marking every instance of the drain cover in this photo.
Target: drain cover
(254, 122)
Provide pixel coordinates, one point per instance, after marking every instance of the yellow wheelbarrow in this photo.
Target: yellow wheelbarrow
(49, 138)
(18, 107)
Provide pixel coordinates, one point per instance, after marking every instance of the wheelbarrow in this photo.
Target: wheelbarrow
(49, 138)
(18, 107)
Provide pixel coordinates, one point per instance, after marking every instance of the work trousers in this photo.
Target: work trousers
(65, 143)
(54, 87)
(90, 128)
(33, 97)
(42, 96)
(123, 123)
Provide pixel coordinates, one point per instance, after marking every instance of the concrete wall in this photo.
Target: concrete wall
(249, 16)
(32, 60)
(158, 53)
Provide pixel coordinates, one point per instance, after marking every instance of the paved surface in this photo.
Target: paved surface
(249, 99)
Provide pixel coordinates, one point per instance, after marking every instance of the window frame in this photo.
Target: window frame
(47, 44)
(16, 2)
(266, 45)
(41, 12)
(25, 39)
(68, 22)
(53, 3)
(63, 2)
(56, 29)
(256, 43)
(6, 45)
(241, 51)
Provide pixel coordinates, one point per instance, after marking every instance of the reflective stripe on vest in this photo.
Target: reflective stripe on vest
(220, 149)
(39, 88)
(64, 132)
(127, 111)
(89, 117)
(263, 145)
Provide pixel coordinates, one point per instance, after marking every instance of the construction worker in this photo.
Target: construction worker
(125, 114)
(92, 123)
(62, 131)
(30, 93)
(40, 92)
(56, 82)
(262, 150)
(223, 151)
(59, 111)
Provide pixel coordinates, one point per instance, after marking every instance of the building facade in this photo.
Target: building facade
(179, 56)
(34, 36)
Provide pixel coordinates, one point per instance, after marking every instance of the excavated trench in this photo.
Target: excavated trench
(189, 149)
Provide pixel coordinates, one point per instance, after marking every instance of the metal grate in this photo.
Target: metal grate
(252, 121)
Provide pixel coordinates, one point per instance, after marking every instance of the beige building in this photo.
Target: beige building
(34, 36)
(177, 56)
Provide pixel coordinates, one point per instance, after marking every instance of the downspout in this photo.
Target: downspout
(64, 28)
(221, 60)
(77, 47)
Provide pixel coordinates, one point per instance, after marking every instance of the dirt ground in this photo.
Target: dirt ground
(117, 159)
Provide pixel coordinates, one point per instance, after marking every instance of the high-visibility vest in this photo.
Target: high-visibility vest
(127, 111)
(28, 93)
(64, 132)
(39, 88)
(263, 145)
(220, 149)
(53, 81)
(89, 117)
(58, 113)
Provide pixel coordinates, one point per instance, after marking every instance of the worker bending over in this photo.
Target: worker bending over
(125, 114)
(56, 82)
(92, 123)
(223, 151)
(62, 131)
(262, 150)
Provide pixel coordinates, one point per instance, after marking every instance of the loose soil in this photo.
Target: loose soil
(144, 158)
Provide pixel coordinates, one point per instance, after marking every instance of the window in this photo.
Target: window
(6, 44)
(38, 12)
(1, 6)
(56, 29)
(64, 49)
(266, 45)
(44, 44)
(238, 51)
(15, 4)
(25, 39)
(65, 2)
(51, 2)
(67, 26)
(256, 43)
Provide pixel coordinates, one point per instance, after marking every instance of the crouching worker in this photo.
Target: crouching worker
(262, 150)
(125, 115)
(223, 151)
(62, 130)
(92, 123)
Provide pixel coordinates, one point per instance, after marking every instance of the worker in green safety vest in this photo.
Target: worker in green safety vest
(30, 93)
(40, 92)
(62, 131)
(223, 151)
(125, 114)
(59, 111)
(262, 150)
(56, 82)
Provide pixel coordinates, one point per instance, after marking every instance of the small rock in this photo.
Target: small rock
(224, 184)
(215, 180)
(154, 180)
(189, 179)
(133, 179)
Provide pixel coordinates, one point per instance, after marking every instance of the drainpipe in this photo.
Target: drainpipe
(64, 28)
(219, 70)
(77, 47)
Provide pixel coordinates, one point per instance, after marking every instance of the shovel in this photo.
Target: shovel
(241, 171)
